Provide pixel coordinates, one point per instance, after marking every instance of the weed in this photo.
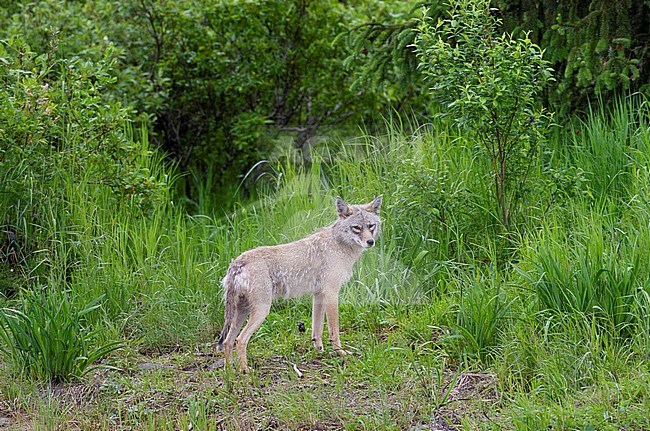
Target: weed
(47, 338)
(481, 317)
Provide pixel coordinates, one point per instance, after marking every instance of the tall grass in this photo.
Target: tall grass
(158, 272)
(588, 255)
(605, 145)
(482, 316)
(594, 271)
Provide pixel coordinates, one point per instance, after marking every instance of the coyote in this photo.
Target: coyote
(318, 264)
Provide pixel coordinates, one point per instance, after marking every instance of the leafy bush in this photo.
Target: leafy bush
(238, 73)
(56, 121)
(58, 128)
(437, 200)
(487, 85)
(216, 82)
(47, 338)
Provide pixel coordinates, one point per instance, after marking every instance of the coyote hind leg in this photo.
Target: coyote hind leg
(257, 315)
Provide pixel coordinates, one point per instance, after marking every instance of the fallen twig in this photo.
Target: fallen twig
(295, 368)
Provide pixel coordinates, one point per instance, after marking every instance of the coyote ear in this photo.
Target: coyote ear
(375, 205)
(342, 208)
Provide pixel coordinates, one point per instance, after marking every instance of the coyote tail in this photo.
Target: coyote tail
(230, 300)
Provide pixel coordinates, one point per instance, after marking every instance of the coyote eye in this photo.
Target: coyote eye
(356, 229)
(371, 227)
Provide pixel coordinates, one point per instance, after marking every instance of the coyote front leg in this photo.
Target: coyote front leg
(318, 309)
(332, 313)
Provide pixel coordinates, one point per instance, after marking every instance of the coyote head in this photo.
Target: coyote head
(358, 224)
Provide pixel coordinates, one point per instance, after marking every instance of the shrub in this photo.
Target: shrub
(215, 81)
(59, 128)
(487, 84)
(56, 121)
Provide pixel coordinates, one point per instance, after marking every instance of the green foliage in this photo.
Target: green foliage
(90, 31)
(438, 212)
(56, 122)
(590, 281)
(427, 321)
(59, 130)
(487, 84)
(48, 338)
(437, 191)
(237, 73)
(215, 82)
(598, 47)
(86, 210)
(482, 314)
(604, 144)
(382, 56)
(586, 257)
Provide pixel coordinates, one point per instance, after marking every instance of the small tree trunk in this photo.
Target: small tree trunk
(503, 201)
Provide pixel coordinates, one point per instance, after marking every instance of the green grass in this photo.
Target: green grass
(46, 338)
(450, 322)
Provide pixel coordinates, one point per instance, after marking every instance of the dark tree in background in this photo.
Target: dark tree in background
(600, 48)
(237, 74)
(216, 82)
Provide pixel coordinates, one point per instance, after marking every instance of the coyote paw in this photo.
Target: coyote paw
(318, 345)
